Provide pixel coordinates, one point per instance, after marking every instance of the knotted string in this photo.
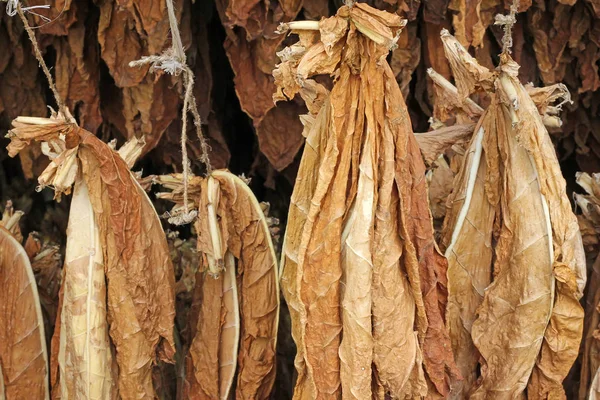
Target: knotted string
(507, 22)
(173, 62)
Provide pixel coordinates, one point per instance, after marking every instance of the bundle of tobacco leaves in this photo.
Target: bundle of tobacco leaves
(362, 275)
(233, 321)
(516, 266)
(116, 309)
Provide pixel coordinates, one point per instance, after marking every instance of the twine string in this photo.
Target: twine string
(173, 62)
(13, 7)
(508, 22)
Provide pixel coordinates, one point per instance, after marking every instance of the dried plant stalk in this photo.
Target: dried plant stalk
(230, 335)
(23, 354)
(84, 357)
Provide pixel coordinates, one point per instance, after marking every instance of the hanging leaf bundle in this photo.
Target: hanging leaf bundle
(23, 353)
(116, 311)
(362, 275)
(516, 267)
(235, 308)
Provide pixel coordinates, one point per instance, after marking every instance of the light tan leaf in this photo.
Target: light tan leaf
(315, 153)
(516, 308)
(396, 354)
(84, 355)
(434, 143)
(467, 242)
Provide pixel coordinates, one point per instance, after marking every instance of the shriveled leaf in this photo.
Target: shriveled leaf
(433, 144)
(138, 268)
(23, 354)
(140, 280)
(84, 355)
(467, 242)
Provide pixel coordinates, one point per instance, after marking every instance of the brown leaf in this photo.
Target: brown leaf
(138, 268)
(231, 226)
(78, 74)
(23, 354)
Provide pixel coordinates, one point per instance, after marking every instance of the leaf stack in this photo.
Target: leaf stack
(235, 307)
(116, 310)
(516, 267)
(362, 275)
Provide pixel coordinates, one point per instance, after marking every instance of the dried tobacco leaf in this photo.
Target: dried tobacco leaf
(434, 143)
(23, 354)
(140, 281)
(212, 357)
(338, 304)
(519, 305)
(84, 355)
(142, 105)
(236, 298)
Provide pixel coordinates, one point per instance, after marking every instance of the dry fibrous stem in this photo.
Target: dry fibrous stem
(516, 263)
(361, 273)
(129, 252)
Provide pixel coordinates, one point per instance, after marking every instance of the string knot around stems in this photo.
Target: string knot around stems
(507, 22)
(173, 62)
(168, 62)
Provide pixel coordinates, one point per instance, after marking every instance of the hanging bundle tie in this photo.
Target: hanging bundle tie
(508, 22)
(173, 62)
